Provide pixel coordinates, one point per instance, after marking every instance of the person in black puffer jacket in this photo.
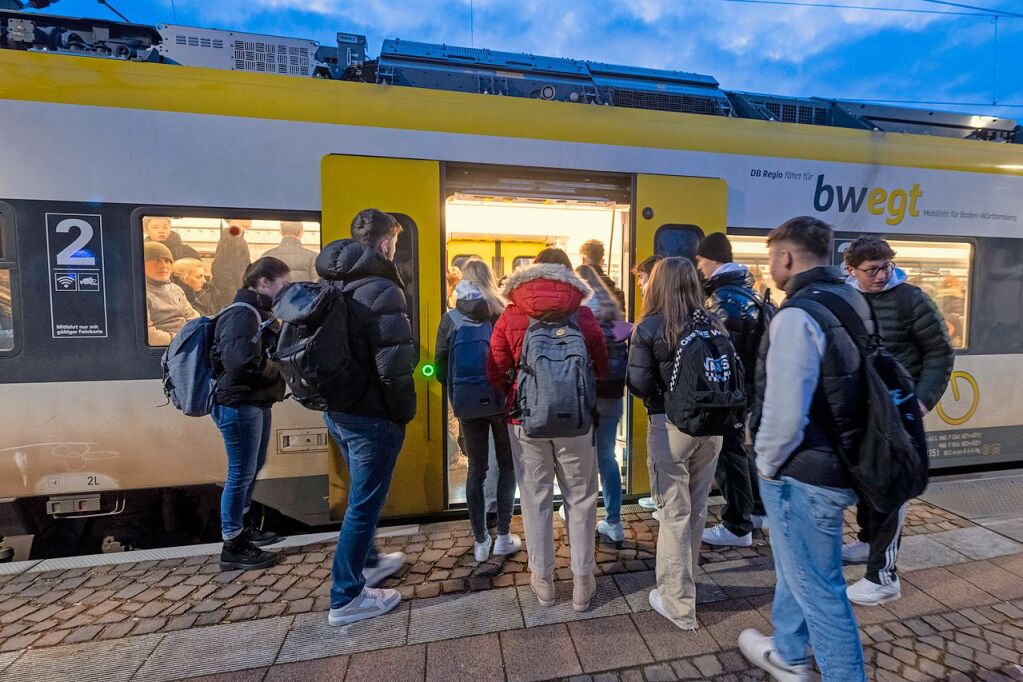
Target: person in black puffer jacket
(369, 432)
(913, 330)
(247, 385)
(730, 296)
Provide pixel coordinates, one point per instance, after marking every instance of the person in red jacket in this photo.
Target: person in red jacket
(550, 288)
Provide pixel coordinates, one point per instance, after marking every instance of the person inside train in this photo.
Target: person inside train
(810, 369)
(730, 296)
(610, 403)
(247, 386)
(550, 292)
(592, 252)
(190, 275)
(681, 466)
(914, 331)
(6, 314)
(367, 421)
(158, 229)
(229, 263)
(301, 260)
(167, 307)
(463, 343)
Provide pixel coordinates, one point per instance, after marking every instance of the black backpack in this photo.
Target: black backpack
(890, 465)
(707, 392)
(313, 353)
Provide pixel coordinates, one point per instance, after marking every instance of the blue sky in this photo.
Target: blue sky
(788, 50)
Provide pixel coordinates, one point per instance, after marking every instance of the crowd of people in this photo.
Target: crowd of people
(541, 365)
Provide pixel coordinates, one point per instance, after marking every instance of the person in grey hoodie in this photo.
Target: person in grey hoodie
(809, 407)
(913, 330)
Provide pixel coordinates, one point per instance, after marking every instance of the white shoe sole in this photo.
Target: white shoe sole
(738, 542)
(356, 617)
(876, 602)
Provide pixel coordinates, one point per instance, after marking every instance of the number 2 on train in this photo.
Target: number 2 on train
(68, 255)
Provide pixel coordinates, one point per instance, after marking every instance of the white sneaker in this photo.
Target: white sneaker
(369, 604)
(656, 516)
(759, 522)
(562, 514)
(658, 605)
(481, 550)
(855, 552)
(867, 593)
(759, 650)
(722, 537)
(613, 531)
(647, 503)
(387, 565)
(507, 544)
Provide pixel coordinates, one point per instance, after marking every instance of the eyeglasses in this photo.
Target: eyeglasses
(887, 269)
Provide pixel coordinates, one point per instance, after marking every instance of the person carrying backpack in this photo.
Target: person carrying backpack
(681, 465)
(809, 414)
(463, 344)
(610, 390)
(914, 331)
(730, 296)
(546, 351)
(246, 385)
(367, 419)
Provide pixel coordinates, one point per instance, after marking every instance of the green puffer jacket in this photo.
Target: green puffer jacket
(913, 330)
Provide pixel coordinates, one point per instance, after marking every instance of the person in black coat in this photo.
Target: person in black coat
(370, 429)
(247, 386)
(731, 297)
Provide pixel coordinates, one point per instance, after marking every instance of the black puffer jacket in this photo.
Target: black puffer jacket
(245, 377)
(914, 331)
(730, 296)
(650, 363)
(379, 328)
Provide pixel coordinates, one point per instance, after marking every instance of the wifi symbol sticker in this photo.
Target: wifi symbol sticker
(65, 281)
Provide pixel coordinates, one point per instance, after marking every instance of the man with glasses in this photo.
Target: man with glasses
(913, 330)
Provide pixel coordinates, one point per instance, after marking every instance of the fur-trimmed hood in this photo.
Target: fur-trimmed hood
(546, 288)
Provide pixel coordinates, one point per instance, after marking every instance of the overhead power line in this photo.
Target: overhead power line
(988, 10)
(869, 8)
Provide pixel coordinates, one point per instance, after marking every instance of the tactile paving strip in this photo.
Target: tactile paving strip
(978, 498)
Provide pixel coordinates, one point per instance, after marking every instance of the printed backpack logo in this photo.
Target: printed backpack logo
(706, 395)
(555, 389)
(469, 390)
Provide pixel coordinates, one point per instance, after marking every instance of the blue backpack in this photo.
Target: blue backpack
(469, 390)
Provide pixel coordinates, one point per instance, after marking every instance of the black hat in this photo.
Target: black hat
(715, 246)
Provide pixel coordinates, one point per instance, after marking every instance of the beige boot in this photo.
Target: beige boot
(543, 588)
(583, 589)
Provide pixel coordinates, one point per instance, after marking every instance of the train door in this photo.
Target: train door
(411, 191)
(671, 214)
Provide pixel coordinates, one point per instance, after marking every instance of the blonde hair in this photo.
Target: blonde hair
(675, 292)
(183, 266)
(479, 273)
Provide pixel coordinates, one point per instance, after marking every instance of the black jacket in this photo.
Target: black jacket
(612, 285)
(650, 363)
(178, 248)
(239, 355)
(475, 309)
(300, 260)
(731, 297)
(228, 269)
(380, 333)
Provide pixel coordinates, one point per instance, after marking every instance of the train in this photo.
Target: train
(100, 142)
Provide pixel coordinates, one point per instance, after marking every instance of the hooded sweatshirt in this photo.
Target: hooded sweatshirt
(540, 291)
(914, 331)
(167, 311)
(470, 303)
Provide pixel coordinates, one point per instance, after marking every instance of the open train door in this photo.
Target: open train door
(670, 216)
(411, 191)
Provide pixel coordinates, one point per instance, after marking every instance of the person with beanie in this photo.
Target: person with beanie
(731, 297)
(167, 308)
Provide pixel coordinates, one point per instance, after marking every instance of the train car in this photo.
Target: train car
(103, 155)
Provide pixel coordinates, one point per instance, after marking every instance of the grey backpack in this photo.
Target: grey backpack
(556, 393)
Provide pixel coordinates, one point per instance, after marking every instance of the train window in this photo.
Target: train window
(942, 270)
(194, 265)
(406, 258)
(521, 262)
(460, 259)
(6, 312)
(752, 252)
(677, 240)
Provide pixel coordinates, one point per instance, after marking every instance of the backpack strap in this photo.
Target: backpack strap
(260, 322)
(843, 311)
(457, 317)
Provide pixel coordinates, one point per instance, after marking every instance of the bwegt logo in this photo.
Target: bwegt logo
(895, 202)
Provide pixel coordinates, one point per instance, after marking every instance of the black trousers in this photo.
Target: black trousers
(883, 532)
(476, 434)
(737, 480)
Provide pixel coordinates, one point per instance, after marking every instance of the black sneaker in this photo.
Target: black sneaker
(260, 537)
(241, 554)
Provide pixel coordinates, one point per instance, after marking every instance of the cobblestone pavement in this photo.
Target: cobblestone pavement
(960, 617)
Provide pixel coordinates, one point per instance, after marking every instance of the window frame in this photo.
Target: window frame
(9, 264)
(680, 227)
(223, 213)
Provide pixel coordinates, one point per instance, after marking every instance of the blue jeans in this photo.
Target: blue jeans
(609, 413)
(246, 432)
(810, 606)
(370, 446)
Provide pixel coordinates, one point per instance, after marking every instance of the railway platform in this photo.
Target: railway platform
(171, 614)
